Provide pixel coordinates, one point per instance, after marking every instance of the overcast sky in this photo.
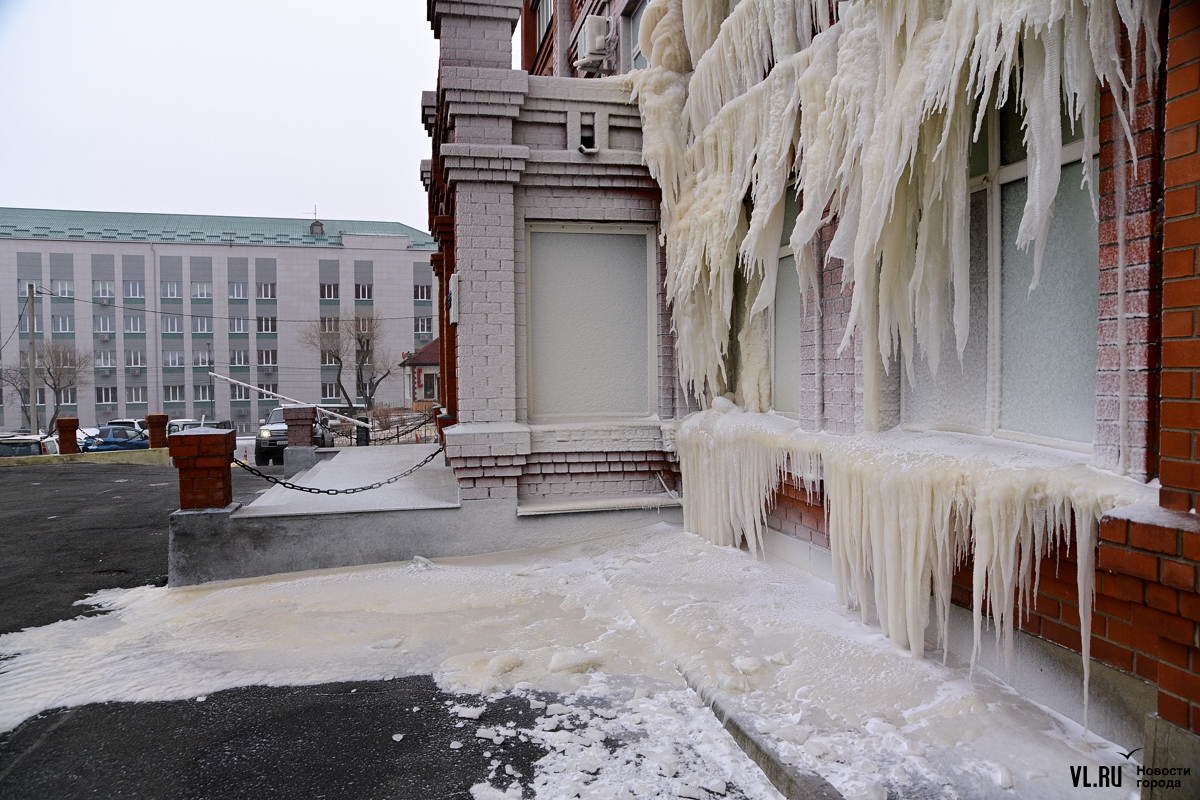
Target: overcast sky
(246, 107)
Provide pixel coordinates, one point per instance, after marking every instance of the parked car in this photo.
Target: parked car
(27, 444)
(272, 438)
(177, 425)
(136, 424)
(116, 437)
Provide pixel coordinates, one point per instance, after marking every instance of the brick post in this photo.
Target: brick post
(157, 424)
(300, 421)
(67, 443)
(204, 457)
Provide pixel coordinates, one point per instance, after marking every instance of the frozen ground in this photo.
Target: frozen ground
(608, 624)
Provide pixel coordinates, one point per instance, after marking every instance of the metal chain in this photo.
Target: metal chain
(355, 490)
(391, 436)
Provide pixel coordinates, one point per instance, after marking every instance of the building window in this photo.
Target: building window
(430, 387)
(62, 288)
(364, 291)
(273, 388)
(329, 391)
(202, 290)
(362, 356)
(135, 289)
(37, 324)
(329, 291)
(172, 290)
(172, 323)
(202, 358)
(267, 325)
(237, 290)
(637, 57)
(135, 323)
(202, 325)
(239, 358)
(423, 325)
(104, 323)
(328, 358)
(422, 291)
(330, 324)
(135, 394)
(106, 395)
(105, 358)
(173, 394)
(265, 291)
(66, 397)
(173, 358)
(268, 358)
(363, 324)
(239, 324)
(62, 323)
(102, 289)
(135, 358)
(237, 392)
(543, 11)
(202, 393)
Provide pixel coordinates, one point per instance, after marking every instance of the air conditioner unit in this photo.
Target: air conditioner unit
(241, 412)
(268, 370)
(104, 337)
(104, 373)
(593, 43)
(135, 371)
(104, 301)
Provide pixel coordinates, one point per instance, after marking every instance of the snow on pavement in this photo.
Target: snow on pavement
(608, 625)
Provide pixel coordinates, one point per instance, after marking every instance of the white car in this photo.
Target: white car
(27, 444)
(136, 424)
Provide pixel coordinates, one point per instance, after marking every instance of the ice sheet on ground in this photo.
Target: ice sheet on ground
(832, 694)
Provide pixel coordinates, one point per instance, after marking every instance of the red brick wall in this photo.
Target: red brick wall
(551, 475)
(794, 512)
(1179, 463)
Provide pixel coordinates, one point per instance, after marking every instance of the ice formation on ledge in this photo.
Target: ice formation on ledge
(904, 509)
(872, 118)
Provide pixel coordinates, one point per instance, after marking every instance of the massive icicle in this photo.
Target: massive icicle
(871, 118)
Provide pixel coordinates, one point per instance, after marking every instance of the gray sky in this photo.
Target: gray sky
(246, 107)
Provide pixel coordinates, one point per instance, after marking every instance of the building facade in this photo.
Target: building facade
(155, 302)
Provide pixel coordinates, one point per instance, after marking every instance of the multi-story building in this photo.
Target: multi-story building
(159, 300)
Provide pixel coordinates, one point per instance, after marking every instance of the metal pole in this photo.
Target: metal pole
(212, 394)
(326, 412)
(34, 427)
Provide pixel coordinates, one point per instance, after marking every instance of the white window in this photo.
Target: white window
(422, 291)
(66, 397)
(268, 358)
(104, 323)
(37, 324)
(364, 291)
(105, 358)
(329, 391)
(173, 358)
(62, 288)
(173, 394)
(362, 324)
(330, 324)
(267, 325)
(135, 323)
(267, 387)
(41, 397)
(328, 358)
(202, 325)
(202, 358)
(202, 392)
(239, 392)
(103, 289)
(135, 358)
(62, 323)
(172, 290)
(585, 365)
(202, 290)
(23, 289)
(237, 290)
(172, 323)
(135, 394)
(543, 12)
(329, 291)
(265, 291)
(239, 324)
(106, 395)
(135, 289)
(423, 325)
(239, 358)
(637, 57)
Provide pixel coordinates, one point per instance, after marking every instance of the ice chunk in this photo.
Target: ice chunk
(397, 737)
(467, 712)
(456, 745)
(573, 659)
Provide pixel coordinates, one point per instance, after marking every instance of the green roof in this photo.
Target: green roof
(113, 226)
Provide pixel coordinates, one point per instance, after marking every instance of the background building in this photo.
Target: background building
(155, 301)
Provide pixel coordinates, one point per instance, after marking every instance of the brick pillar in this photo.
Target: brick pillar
(1179, 455)
(300, 420)
(67, 443)
(204, 457)
(157, 423)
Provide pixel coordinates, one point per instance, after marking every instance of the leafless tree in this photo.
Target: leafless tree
(61, 370)
(352, 344)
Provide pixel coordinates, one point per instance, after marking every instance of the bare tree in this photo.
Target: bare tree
(352, 344)
(61, 371)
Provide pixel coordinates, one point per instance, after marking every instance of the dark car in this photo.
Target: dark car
(272, 438)
(116, 437)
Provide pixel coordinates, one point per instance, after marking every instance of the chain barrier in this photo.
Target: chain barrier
(355, 490)
(399, 434)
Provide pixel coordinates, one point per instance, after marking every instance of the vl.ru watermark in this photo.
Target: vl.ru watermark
(1144, 778)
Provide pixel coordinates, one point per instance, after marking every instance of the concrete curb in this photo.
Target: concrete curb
(791, 782)
(159, 457)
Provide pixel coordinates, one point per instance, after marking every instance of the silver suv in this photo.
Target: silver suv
(272, 438)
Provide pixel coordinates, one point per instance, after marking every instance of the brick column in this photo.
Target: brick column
(157, 423)
(67, 443)
(300, 420)
(204, 457)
